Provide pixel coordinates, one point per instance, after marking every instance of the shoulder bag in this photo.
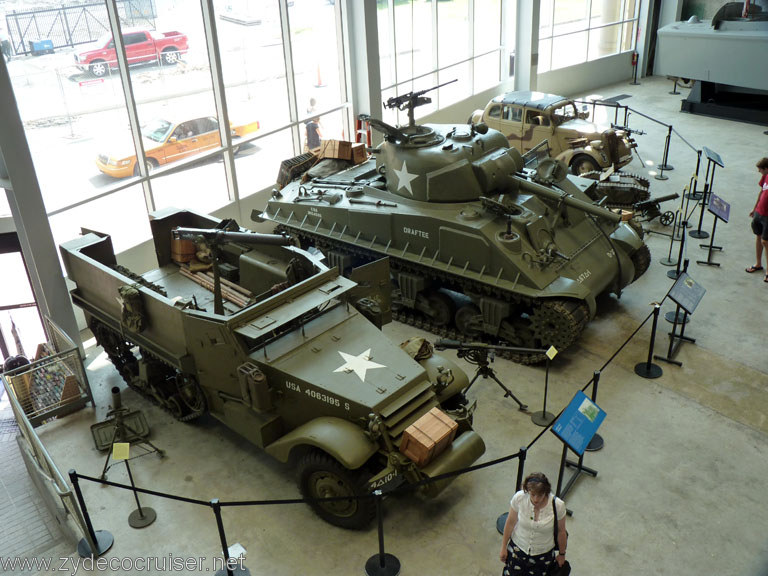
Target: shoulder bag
(555, 569)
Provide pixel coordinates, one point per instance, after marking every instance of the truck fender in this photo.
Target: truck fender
(567, 155)
(343, 440)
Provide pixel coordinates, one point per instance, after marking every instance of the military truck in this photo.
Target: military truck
(270, 343)
(480, 247)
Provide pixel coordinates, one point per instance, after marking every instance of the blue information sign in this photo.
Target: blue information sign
(579, 422)
(719, 207)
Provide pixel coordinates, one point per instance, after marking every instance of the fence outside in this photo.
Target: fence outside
(40, 31)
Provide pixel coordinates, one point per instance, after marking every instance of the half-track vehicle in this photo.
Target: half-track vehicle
(271, 344)
(479, 248)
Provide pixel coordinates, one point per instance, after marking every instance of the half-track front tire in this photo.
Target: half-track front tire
(321, 476)
(581, 164)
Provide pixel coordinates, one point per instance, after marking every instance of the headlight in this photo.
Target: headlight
(596, 144)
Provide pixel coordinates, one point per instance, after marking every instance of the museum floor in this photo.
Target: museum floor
(681, 480)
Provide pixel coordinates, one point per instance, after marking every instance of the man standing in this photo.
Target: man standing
(759, 216)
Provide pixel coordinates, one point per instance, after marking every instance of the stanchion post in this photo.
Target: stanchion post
(521, 467)
(502, 520)
(141, 517)
(668, 261)
(94, 543)
(597, 442)
(216, 505)
(676, 272)
(381, 564)
(665, 165)
(648, 369)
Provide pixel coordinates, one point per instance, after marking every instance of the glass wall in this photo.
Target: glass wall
(575, 31)
(115, 137)
(423, 43)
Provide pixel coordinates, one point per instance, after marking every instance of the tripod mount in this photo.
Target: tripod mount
(482, 356)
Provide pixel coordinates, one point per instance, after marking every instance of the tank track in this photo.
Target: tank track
(624, 194)
(567, 317)
(120, 353)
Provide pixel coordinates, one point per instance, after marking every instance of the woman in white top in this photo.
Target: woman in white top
(528, 544)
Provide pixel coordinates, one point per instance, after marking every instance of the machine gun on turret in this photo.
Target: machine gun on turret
(411, 100)
(627, 129)
(227, 231)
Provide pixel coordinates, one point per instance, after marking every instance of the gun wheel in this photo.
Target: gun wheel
(321, 476)
(667, 218)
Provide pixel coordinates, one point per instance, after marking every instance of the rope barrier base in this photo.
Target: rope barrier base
(104, 541)
(698, 234)
(389, 567)
(542, 418)
(142, 517)
(501, 521)
(596, 443)
(648, 370)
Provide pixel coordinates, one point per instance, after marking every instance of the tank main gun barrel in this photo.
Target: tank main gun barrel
(569, 200)
(216, 236)
(497, 172)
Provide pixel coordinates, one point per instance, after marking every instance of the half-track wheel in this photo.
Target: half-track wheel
(641, 258)
(442, 308)
(321, 476)
(191, 396)
(469, 321)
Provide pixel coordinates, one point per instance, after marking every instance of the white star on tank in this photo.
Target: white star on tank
(359, 364)
(404, 178)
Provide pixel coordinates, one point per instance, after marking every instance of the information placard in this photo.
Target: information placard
(579, 422)
(687, 292)
(719, 207)
(710, 154)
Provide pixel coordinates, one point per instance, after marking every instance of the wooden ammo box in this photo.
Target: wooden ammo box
(340, 149)
(426, 438)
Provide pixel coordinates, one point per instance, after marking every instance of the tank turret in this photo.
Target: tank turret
(479, 246)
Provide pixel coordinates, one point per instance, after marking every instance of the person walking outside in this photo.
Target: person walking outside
(759, 216)
(528, 543)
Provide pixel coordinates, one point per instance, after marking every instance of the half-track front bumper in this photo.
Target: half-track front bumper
(463, 452)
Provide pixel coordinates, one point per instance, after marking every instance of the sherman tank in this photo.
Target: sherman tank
(281, 349)
(480, 248)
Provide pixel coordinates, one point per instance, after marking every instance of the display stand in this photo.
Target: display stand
(713, 161)
(482, 356)
(676, 316)
(575, 427)
(545, 418)
(687, 294)
(669, 261)
(721, 210)
(676, 272)
(648, 369)
(694, 194)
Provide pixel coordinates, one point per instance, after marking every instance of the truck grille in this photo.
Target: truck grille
(404, 411)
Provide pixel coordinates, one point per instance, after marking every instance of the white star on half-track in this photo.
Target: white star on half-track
(359, 364)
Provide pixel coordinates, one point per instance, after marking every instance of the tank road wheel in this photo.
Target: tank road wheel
(582, 163)
(174, 407)
(191, 397)
(558, 323)
(519, 332)
(641, 258)
(469, 321)
(441, 308)
(321, 476)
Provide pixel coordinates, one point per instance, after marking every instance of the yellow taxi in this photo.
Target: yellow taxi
(166, 141)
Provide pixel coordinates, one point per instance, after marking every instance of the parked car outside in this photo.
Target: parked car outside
(528, 118)
(140, 46)
(167, 141)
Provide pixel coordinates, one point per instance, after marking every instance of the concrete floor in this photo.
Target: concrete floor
(681, 477)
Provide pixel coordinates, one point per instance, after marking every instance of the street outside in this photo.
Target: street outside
(70, 116)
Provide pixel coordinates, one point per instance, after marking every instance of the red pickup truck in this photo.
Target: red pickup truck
(140, 46)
